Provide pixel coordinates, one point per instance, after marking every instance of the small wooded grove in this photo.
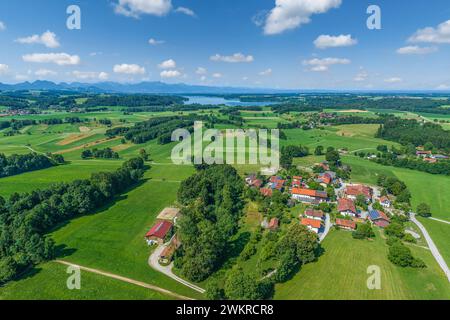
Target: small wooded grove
(213, 206)
(26, 218)
(16, 164)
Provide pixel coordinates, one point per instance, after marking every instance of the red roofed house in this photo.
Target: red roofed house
(159, 231)
(313, 225)
(346, 224)
(325, 178)
(423, 153)
(296, 182)
(309, 196)
(353, 191)
(346, 207)
(385, 202)
(314, 214)
(266, 192)
(274, 224)
(167, 254)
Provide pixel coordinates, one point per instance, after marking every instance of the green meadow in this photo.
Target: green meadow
(49, 282)
(341, 274)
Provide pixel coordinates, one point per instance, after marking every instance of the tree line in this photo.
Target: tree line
(26, 218)
(16, 164)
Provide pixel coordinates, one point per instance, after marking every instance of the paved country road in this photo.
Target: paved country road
(124, 279)
(327, 228)
(153, 261)
(432, 246)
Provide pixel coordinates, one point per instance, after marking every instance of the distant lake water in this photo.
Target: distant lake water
(221, 101)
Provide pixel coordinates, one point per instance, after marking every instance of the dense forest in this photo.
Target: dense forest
(406, 132)
(132, 101)
(16, 164)
(25, 218)
(213, 205)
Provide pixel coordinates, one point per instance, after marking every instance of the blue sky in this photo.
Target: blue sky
(292, 44)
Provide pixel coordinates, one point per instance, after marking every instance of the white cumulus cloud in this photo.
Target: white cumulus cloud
(440, 34)
(267, 72)
(128, 69)
(217, 75)
(327, 41)
(4, 68)
(290, 14)
(185, 11)
(48, 39)
(320, 65)
(61, 59)
(90, 75)
(416, 50)
(155, 42)
(168, 64)
(361, 76)
(201, 71)
(170, 74)
(135, 8)
(235, 58)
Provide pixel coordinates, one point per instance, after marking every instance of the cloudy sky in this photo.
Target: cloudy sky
(292, 44)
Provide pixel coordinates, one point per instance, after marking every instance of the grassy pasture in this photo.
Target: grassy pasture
(341, 273)
(48, 282)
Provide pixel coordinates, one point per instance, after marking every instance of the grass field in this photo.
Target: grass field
(439, 233)
(341, 273)
(48, 282)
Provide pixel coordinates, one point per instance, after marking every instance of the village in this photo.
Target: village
(345, 207)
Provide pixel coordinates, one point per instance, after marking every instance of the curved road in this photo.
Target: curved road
(432, 246)
(153, 261)
(124, 279)
(327, 228)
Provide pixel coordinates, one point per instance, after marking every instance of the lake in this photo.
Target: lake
(204, 100)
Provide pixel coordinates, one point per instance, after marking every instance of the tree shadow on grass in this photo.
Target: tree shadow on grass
(62, 251)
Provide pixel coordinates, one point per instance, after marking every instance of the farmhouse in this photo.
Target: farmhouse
(379, 218)
(167, 254)
(169, 214)
(309, 196)
(353, 191)
(266, 192)
(274, 224)
(313, 225)
(347, 207)
(385, 202)
(276, 183)
(346, 224)
(314, 214)
(160, 231)
(296, 182)
(253, 181)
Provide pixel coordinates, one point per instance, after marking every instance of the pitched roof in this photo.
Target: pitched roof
(309, 192)
(311, 222)
(168, 214)
(359, 189)
(345, 204)
(325, 178)
(346, 223)
(160, 229)
(378, 215)
(266, 192)
(384, 199)
(314, 213)
(274, 223)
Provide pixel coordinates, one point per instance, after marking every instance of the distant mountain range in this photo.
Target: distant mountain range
(141, 87)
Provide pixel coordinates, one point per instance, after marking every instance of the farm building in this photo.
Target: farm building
(309, 196)
(313, 225)
(346, 224)
(160, 231)
(169, 214)
(385, 202)
(167, 254)
(379, 218)
(266, 192)
(353, 191)
(314, 214)
(347, 207)
(274, 224)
